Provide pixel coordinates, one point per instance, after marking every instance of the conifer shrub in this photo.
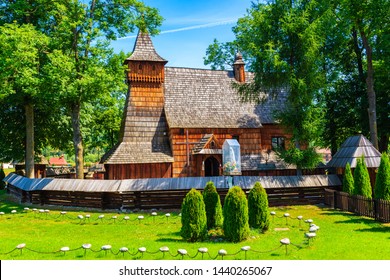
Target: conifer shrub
(193, 217)
(348, 180)
(258, 207)
(382, 183)
(2, 176)
(213, 206)
(361, 178)
(235, 215)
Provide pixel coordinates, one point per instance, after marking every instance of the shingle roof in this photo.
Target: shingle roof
(352, 149)
(144, 139)
(204, 98)
(144, 50)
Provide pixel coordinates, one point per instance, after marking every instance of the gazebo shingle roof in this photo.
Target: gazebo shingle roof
(352, 149)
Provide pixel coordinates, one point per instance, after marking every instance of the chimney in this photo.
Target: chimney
(239, 68)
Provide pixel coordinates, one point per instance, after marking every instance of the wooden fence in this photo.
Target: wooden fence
(374, 208)
(162, 193)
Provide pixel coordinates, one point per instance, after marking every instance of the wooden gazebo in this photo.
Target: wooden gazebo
(351, 150)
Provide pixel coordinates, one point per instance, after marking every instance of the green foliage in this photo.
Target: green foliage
(213, 206)
(321, 52)
(2, 176)
(193, 217)
(302, 158)
(382, 183)
(258, 207)
(348, 183)
(80, 72)
(362, 185)
(235, 215)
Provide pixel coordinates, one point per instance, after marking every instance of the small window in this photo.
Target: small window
(277, 142)
(212, 145)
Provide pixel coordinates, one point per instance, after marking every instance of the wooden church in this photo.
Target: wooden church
(176, 120)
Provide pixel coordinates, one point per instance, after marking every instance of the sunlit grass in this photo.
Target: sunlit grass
(341, 236)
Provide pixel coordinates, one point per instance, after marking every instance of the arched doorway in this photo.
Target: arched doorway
(211, 167)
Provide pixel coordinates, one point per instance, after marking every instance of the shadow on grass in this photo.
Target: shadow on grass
(380, 229)
(360, 220)
(172, 237)
(335, 212)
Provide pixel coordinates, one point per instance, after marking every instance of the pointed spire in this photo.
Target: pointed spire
(144, 50)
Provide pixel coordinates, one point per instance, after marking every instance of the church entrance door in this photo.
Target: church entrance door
(211, 167)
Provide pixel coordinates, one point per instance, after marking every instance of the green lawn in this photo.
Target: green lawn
(341, 236)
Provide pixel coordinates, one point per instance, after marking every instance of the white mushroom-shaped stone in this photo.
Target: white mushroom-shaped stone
(179, 214)
(310, 235)
(142, 249)
(273, 213)
(164, 249)
(26, 209)
(300, 217)
(245, 248)
(41, 211)
(87, 216)
(101, 217)
(47, 211)
(64, 249)
(87, 246)
(106, 247)
(114, 217)
(286, 215)
(154, 214)
(2, 213)
(14, 211)
(313, 229)
(167, 215)
(182, 252)
(309, 221)
(126, 218)
(285, 241)
(21, 246)
(123, 249)
(35, 209)
(63, 213)
(222, 252)
(80, 217)
(203, 250)
(140, 217)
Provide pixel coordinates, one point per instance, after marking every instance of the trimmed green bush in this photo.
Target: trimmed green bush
(193, 217)
(348, 180)
(382, 183)
(362, 184)
(213, 206)
(235, 215)
(2, 176)
(258, 207)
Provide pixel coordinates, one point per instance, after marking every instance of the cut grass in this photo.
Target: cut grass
(341, 236)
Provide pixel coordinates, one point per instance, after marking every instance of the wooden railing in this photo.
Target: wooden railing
(374, 208)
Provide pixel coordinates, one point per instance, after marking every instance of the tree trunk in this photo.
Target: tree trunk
(29, 157)
(78, 141)
(370, 91)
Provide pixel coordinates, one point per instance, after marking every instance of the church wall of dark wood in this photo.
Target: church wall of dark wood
(137, 171)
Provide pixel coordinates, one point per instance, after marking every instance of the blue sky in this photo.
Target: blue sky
(189, 28)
